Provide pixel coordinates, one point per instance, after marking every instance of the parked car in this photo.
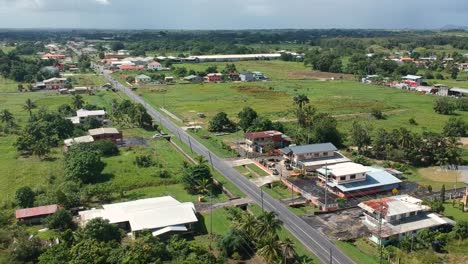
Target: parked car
(275, 172)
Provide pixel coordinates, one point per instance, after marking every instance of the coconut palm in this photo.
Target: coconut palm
(77, 101)
(29, 105)
(6, 117)
(270, 250)
(200, 159)
(267, 225)
(204, 186)
(300, 100)
(288, 251)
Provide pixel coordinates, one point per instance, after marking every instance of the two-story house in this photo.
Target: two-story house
(350, 179)
(154, 66)
(398, 217)
(82, 115)
(265, 141)
(55, 83)
(313, 156)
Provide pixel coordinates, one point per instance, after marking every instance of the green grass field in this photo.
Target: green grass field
(360, 251)
(87, 79)
(8, 86)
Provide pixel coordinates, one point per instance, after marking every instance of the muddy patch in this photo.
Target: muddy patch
(260, 92)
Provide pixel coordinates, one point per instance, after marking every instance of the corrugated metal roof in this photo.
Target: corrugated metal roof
(36, 211)
(312, 148)
(103, 130)
(374, 178)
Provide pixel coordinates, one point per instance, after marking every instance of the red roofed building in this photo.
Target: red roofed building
(50, 56)
(154, 66)
(35, 214)
(131, 67)
(266, 141)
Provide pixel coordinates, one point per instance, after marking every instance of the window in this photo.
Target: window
(325, 154)
(352, 177)
(343, 178)
(316, 154)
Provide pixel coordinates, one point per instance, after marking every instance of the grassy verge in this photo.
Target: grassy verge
(454, 212)
(254, 167)
(360, 251)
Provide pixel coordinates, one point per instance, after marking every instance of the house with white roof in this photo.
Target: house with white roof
(83, 114)
(350, 179)
(161, 215)
(413, 78)
(313, 156)
(400, 216)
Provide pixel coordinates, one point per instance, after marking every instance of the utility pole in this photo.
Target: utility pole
(190, 143)
(331, 256)
(380, 234)
(261, 194)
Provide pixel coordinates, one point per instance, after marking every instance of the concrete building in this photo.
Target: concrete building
(162, 215)
(213, 77)
(154, 66)
(265, 141)
(83, 114)
(78, 140)
(55, 83)
(400, 216)
(247, 77)
(104, 133)
(350, 179)
(413, 78)
(313, 156)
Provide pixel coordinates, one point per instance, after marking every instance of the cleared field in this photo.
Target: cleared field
(347, 100)
(86, 79)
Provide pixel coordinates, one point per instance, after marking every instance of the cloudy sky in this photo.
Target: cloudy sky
(232, 14)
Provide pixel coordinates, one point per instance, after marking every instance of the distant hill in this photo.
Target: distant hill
(454, 27)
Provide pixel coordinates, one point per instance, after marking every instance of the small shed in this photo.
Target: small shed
(35, 215)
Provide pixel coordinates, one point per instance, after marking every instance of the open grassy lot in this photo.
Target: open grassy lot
(347, 100)
(86, 79)
(360, 251)
(455, 212)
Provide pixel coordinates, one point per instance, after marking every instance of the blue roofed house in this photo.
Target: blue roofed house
(350, 179)
(313, 156)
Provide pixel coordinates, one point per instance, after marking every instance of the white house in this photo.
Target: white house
(141, 79)
(160, 215)
(400, 216)
(313, 156)
(83, 114)
(414, 78)
(154, 66)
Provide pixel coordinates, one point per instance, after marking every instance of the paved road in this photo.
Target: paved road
(315, 241)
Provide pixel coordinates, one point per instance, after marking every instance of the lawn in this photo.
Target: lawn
(257, 170)
(87, 79)
(454, 212)
(361, 251)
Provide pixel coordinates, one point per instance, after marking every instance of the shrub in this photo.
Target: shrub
(144, 161)
(377, 114)
(60, 220)
(412, 121)
(444, 106)
(106, 147)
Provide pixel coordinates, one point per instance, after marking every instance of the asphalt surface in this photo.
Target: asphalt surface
(314, 240)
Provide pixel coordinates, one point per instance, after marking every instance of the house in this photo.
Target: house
(79, 90)
(142, 79)
(313, 156)
(213, 77)
(265, 141)
(234, 76)
(398, 217)
(463, 66)
(83, 114)
(119, 54)
(106, 133)
(413, 78)
(50, 56)
(35, 215)
(55, 83)
(246, 77)
(193, 79)
(370, 78)
(350, 179)
(130, 67)
(154, 66)
(168, 79)
(160, 216)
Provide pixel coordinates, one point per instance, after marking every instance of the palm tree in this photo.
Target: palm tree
(204, 186)
(29, 105)
(300, 100)
(271, 250)
(288, 251)
(267, 225)
(247, 223)
(77, 101)
(200, 159)
(6, 117)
